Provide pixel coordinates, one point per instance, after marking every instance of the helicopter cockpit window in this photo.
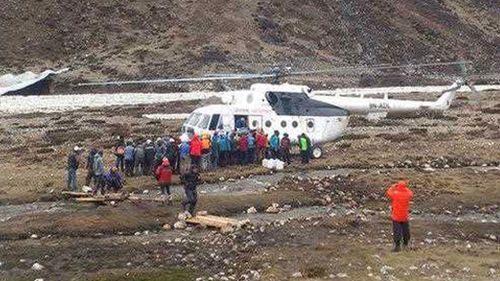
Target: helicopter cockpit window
(214, 122)
(193, 119)
(205, 120)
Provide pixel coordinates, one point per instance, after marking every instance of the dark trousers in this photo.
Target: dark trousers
(275, 154)
(224, 158)
(99, 184)
(165, 188)
(304, 154)
(251, 155)
(119, 162)
(191, 199)
(148, 166)
(129, 167)
(89, 177)
(286, 156)
(242, 157)
(196, 160)
(401, 230)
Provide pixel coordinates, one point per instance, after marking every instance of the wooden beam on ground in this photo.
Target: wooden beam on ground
(153, 199)
(76, 194)
(213, 221)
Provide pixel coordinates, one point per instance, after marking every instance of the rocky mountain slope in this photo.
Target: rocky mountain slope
(150, 38)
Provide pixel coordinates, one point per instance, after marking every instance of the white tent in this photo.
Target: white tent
(10, 82)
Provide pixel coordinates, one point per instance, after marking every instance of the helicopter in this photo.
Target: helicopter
(286, 108)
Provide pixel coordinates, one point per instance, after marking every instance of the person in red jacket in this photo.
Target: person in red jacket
(400, 196)
(164, 176)
(243, 147)
(195, 150)
(261, 144)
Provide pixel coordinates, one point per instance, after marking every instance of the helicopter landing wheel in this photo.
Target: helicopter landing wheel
(317, 152)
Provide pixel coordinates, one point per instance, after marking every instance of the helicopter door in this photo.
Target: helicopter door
(226, 122)
(254, 121)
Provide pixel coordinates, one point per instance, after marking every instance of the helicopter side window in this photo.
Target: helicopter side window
(205, 120)
(295, 124)
(193, 119)
(214, 122)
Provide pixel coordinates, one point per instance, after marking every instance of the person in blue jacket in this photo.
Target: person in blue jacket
(274, 143)
(129, 159)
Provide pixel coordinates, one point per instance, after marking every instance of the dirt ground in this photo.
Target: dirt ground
(333, 222)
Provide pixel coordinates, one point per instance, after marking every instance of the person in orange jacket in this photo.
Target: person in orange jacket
(400, 196)
(164, 176)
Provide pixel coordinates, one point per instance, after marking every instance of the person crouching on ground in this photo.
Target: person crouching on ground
(113, 180)
(164, 176)
(190, 181)
(400, 196)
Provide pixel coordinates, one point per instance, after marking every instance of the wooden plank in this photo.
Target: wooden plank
(153, 199)
(90, 200)
(76, 194)
(223, 219)
(213, 221)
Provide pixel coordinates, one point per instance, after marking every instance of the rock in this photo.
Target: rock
(145, 191)
(385, 269)
(182, 216)
(113, 203)
(87, 189)
(36, 266)
(202, 213)
(167, 226)
(252, 210)
(39, 279)
(180, 224)
(341, 275)
(297, 275)
(137, 233)
(34, 236)
(413, 267)
(492, 271)
(129, 264)
(1, 263)
(226, 229)
(273, 209)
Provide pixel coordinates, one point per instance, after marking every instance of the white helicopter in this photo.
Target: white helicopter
(291, 109)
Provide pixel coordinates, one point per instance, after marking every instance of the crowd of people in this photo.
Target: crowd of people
(167, 156)
(183, 156)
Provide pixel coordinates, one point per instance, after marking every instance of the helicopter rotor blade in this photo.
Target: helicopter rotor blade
(179, 80)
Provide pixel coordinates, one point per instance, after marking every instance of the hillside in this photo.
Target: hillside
(147, 38)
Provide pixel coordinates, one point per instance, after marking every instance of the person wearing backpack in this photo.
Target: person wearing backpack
(190, 181)
(139, 159)
(129, 159)
(164, 176)
(149, 157)
(98, 167)
(119, 152)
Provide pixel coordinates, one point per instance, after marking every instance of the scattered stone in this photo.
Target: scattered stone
(273, 209)
(385, 269)
(297, 275)
(252, 210)
(167, 226)
(226, 229)
(413, 267)
(342, 275)
(34, 236)
(145, 191)
(180, 224)
(202, 213)
(36, 266)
